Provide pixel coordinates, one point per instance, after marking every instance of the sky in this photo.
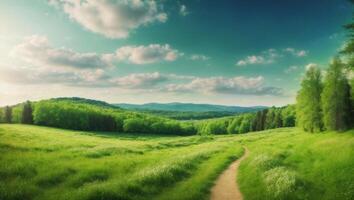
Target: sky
(230, 52)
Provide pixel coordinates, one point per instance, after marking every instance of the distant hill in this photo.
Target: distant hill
(86, 101)
(189, 107)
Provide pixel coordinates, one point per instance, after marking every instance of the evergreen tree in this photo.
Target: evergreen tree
(259, 121)
(278, 121)
(264, 118)
(308, 109)
(27, 117)
(335, 97)
(348, 51)
(8, 114)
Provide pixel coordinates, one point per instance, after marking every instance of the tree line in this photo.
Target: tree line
(326, 98)
(248, 122)
(80, 115)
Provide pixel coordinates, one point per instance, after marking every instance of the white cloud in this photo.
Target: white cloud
(222, 85)
(266, 57)
(147, 54)
(199, 57)
(269, 56)
(113, 19)
(37, 50)
(295, 52)
(140, 81)
(30, 76)
(254, 59)
(291, 69)
(183, 10)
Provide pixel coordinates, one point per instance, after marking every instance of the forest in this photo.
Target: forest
(81, 114)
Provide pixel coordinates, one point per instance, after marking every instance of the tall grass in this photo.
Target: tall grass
(291, 164)
(48, 163)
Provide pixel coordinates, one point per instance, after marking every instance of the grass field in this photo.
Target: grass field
(47, 163)
(290, 164)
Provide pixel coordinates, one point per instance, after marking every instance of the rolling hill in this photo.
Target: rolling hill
(189, 107)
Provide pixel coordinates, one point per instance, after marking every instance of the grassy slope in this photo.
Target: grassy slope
(299, 165)
(48, 163)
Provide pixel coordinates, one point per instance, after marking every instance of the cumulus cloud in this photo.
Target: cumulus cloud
(199, 57)
(254, 59)
(183, 10)
(140, 80)
(270, 56)
(295, 52)
(291, 69)
(112, 18)
(147, 54)
(235, 85)
(37, 50)
(29, 76)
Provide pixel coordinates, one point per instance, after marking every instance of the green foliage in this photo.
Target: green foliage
(234, 126)
(308, 107)
(27, 117)
(91, 115)
(335, 97)
(289, 116)
(185, 115)
(246, 123)
(8, 114)
(136, 125)
(215, 127)
(2, 115)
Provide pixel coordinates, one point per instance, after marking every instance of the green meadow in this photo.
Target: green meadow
(287, 163)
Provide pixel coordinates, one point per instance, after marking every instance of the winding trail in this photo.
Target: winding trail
(226, 187)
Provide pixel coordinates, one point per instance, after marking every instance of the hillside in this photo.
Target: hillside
(92, 115)
(47, 163)
(189, 107)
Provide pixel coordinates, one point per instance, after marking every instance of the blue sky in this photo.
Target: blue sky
(222, 52)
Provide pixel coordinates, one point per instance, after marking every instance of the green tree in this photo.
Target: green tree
(308, 108)
(335, 97)
(27, 117)
(348, 51)
(234, 126)
(270, 119)
(8, 114)
(289, 115)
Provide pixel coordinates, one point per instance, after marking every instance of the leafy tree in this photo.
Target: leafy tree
(234, 126)
(8, 114)
(278, 121)
(27, 117)
(289, 116)
(246, 124)
(270, 119)
(135, 125)
(308, 108)
(335, 97)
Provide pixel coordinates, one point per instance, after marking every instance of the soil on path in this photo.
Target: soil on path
(226, 187)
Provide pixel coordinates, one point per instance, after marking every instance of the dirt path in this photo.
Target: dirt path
(226, 187)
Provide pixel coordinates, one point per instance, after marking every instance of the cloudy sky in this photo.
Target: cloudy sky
(222, 52)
